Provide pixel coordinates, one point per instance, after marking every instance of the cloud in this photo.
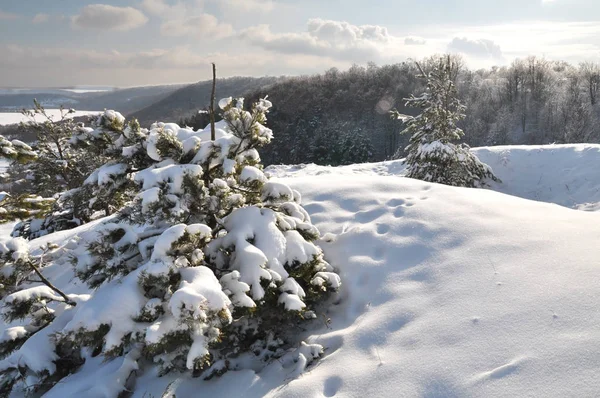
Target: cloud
(31, 67)
(187, 19)
(7, 16)
(247, 5)
(475, 48)
(161, 9)
(40, 18)
(202, 25)
(334, 39)
(414, 41)
(103, 16)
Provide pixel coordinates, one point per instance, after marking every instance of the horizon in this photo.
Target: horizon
(123, 43)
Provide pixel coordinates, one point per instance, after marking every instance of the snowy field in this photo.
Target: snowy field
(562, 174)
(16, 117)
(447, 292)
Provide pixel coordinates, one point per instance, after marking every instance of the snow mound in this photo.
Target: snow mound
(562, 174)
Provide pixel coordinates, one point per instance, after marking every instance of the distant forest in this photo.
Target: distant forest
(342, 117)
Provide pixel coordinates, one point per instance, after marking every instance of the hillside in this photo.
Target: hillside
(447, 292)
(562, 174)
(186, 101)
(125, 99)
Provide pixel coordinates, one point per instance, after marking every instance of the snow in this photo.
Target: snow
(171, 174)
(251, 173)
(7, 118)
(97, 378)
(105, 174)
(4, 163)
(38, 292)
(561, 174)
(446, 292)
(115, 305)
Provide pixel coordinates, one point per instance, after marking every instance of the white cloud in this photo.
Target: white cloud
(481, 48)
(335, 39)
(7, 15)
(187, 19)
(103, 16)
(202, 25)
(568, 41)
(161, 9)
(414, 41)
(247, 5)
(27, 66)
(40, 18)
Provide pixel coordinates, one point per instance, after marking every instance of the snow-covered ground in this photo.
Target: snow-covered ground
(16, 117)
(563, 174)
(447, 292)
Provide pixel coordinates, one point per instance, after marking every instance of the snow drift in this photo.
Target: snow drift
(563, 174)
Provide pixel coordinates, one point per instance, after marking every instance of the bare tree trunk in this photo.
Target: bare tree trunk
(212, 103)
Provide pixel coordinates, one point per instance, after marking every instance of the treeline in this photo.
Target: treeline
(342, 117)
(532, 101)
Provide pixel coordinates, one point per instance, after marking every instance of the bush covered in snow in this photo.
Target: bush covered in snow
(48, 175)
(431, 154)
(206, 266)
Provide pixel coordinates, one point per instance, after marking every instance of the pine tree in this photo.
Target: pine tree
(207, 265)
(432, 156)
(22, 206)
(48, 176)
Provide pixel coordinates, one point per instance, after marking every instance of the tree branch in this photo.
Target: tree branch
(50, 285)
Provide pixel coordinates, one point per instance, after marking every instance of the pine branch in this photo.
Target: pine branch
(50, 285)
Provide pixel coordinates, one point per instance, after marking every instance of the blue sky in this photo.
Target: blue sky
(141, 42)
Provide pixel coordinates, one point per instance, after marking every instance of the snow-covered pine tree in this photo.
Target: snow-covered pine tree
(210, 267)
(47, 177)
(16, 207)
(432, 156)
(16, 150)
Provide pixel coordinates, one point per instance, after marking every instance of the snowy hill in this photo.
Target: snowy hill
(447, 292)
(562, 174)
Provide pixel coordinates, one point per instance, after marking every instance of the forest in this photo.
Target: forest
(343, 117)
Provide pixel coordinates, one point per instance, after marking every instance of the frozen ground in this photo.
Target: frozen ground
(563, 174)
(447, 292)
(16, 117)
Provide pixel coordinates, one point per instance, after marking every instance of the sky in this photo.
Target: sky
(149, 42)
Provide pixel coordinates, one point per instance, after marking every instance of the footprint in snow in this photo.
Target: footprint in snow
(398, 212)
(382, 228)
(395, 202)
(332, 386)
(367, 216)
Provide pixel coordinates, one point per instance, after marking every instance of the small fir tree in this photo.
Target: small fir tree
(432, 156)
